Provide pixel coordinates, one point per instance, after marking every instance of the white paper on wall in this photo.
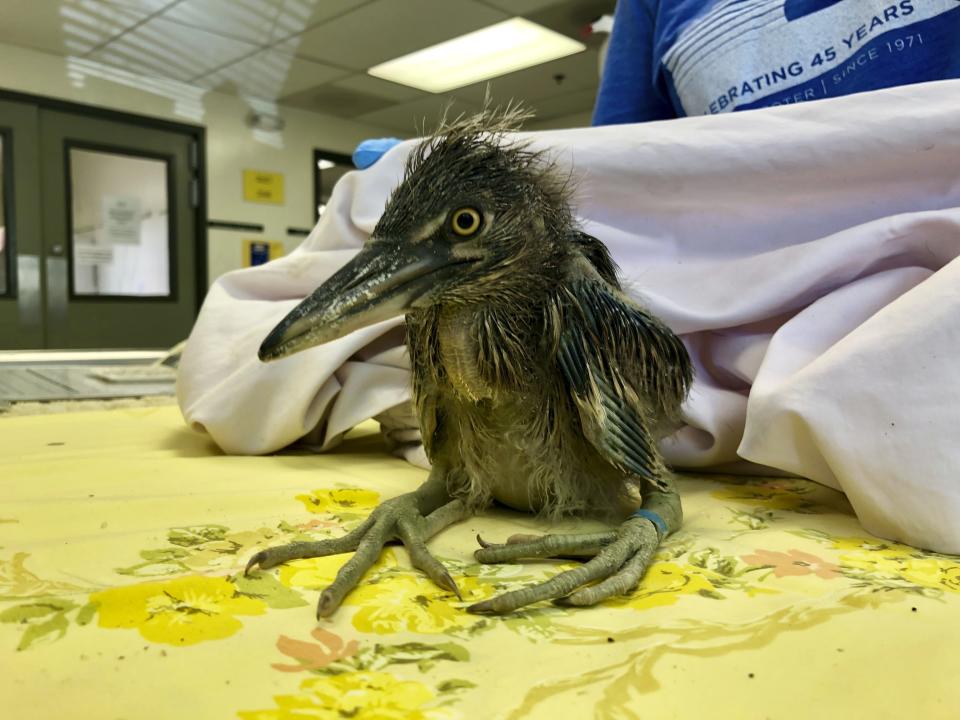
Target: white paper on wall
(121, 219)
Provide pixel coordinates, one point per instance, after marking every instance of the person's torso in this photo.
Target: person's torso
(729, 55)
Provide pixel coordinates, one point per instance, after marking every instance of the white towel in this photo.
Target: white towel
(806, 254)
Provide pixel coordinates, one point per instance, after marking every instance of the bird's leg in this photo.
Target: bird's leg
(412, 518)
(620, 557)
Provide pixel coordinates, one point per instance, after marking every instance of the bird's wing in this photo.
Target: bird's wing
(598, 255)
(625, 371)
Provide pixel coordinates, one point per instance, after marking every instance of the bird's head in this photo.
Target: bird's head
(478, 217)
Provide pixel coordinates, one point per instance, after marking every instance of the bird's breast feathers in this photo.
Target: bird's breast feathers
(459, 353)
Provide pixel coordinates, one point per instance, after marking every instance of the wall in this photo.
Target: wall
(231, 145)
(581, 119)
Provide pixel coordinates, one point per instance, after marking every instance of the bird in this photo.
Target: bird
(539, 383)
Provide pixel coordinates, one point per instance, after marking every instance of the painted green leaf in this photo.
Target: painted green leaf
(534, 624)
(711, 559)
(165, 561)
(415, 652)
(57, 624)
(756, 520)
(35, 610)
(456, 684)
(196, 534)
(267, 588)
(164, 555)
(152, 569)
(86, 613)
(712, 594)
(25, 613)
(224, 547)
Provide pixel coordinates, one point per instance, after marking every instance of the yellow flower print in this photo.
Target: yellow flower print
(923, 571)
(950, 578)
(664, 584)
(183, 611)
(413, 603)
(340, 500)
(391, 597)
(317, 573)
(356, 695)
(881, 561)
(776, 495)
(887, 548)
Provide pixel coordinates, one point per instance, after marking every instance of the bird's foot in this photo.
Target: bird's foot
(402, 518)
(620, 559)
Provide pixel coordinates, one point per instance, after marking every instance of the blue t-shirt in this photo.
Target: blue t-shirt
(670, 58)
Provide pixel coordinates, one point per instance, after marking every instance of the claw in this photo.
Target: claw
(483, 543)
(397, 519)
(451, 585)
(254, 561)
(326, 604)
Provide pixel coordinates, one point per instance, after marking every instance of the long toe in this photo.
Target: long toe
(619, 564)
(544, 546)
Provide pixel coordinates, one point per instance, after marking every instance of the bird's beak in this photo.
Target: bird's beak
(384, 280)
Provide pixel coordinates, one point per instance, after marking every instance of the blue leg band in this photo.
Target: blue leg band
(650, 515)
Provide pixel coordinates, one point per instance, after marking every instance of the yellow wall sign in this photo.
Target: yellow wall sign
(258, 252)
(263, 187)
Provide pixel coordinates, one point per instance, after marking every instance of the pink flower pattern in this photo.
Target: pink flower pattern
(793, 562)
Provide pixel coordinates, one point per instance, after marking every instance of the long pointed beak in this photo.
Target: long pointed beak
(383, 281)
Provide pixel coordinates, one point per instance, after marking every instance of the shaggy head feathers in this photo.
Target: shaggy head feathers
(472, 160)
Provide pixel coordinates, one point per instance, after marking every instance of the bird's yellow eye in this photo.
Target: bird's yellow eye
(465, 221)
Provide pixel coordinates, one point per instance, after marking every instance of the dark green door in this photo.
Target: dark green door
(111, 230)
(21, 292)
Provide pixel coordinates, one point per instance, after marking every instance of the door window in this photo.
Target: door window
(328, 168)
(4, 229)
(119, 224)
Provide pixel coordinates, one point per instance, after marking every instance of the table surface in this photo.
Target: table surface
(122, 534)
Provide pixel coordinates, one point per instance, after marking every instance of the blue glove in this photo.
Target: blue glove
(369, 151)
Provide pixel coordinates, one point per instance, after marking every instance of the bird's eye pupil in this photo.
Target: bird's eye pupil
(466, 221)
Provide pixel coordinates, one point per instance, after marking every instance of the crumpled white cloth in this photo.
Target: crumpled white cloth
(807, 255)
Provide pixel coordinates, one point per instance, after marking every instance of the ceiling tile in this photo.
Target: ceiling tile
(523, 7)
(578, 72)
(361, 82)
(338, 101)
(146, 6)
(70, 27)
(166, 49)
(569, 104)
(580, 119)
(385, 29)
(270, 74)
(572, 16)
(408, 118)
(258, 21)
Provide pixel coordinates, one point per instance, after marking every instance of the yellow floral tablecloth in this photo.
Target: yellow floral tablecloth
(122, 537)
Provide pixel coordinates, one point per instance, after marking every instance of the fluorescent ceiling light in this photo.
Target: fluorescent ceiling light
(325, 164)
(496, 50)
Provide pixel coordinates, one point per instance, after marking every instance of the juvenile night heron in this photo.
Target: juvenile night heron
(538, 382)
